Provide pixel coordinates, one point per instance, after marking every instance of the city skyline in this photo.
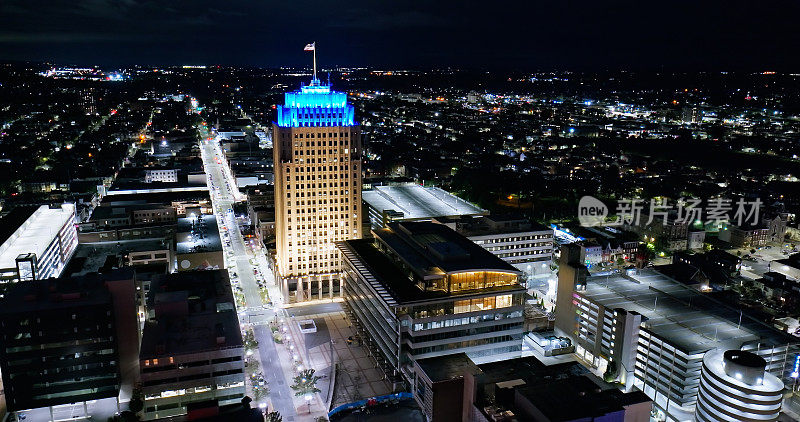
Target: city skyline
(579, 35)
(414, 211)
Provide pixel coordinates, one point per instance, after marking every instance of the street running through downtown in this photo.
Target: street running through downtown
(248, 269)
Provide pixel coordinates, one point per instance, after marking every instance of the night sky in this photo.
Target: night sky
(556, 34)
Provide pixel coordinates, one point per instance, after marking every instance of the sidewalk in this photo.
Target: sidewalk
(358, 376)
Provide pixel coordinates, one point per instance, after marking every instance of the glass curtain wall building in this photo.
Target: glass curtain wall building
(421, 290)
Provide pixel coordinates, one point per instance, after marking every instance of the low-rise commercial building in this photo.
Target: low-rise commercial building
(261, 209)
(421, 290)
(197, 244)
(107, 217)
(746, 236)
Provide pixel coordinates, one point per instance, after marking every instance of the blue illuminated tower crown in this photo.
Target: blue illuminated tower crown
(315, 105)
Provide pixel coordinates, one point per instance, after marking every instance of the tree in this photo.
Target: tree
(260, 391)
(137, 400)
(274, 416)
(611, 372)
(250, 342)
(305, 383)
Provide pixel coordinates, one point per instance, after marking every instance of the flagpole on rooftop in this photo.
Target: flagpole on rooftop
(315, 60)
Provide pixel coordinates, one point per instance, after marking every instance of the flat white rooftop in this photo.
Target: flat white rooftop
(35, 234)
(417, 202)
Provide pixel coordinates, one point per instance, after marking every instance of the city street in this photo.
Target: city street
(247, 268)
(223, 193)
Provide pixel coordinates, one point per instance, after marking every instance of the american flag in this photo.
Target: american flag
(309, 47)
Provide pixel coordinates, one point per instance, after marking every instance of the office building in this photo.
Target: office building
(523, 244)
(317, 160)
(419, 290)
(37, 242)
(68, 340)
(651, 332)
(192, 348)
(413, 202)
(735, 387)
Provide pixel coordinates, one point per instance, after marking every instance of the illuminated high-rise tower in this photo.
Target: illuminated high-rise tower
(317, 154)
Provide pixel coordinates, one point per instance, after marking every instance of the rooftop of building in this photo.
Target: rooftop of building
(687, 319)
(156, 197)
(194, 311)
(748, 226)
(792, 261)
(133, 185)
(211, 286)
(13, 219)
(722, 255)
(232, 412)
(90, 258)
(197, 234)
(118, 211)
(443, 368)
(435, 249)
(554, 389)
(576, 398)
(31, 234)
(418, 203)
(391, 281)
(608, 233)
(485, 225)
(528, 369)
(55, 293)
